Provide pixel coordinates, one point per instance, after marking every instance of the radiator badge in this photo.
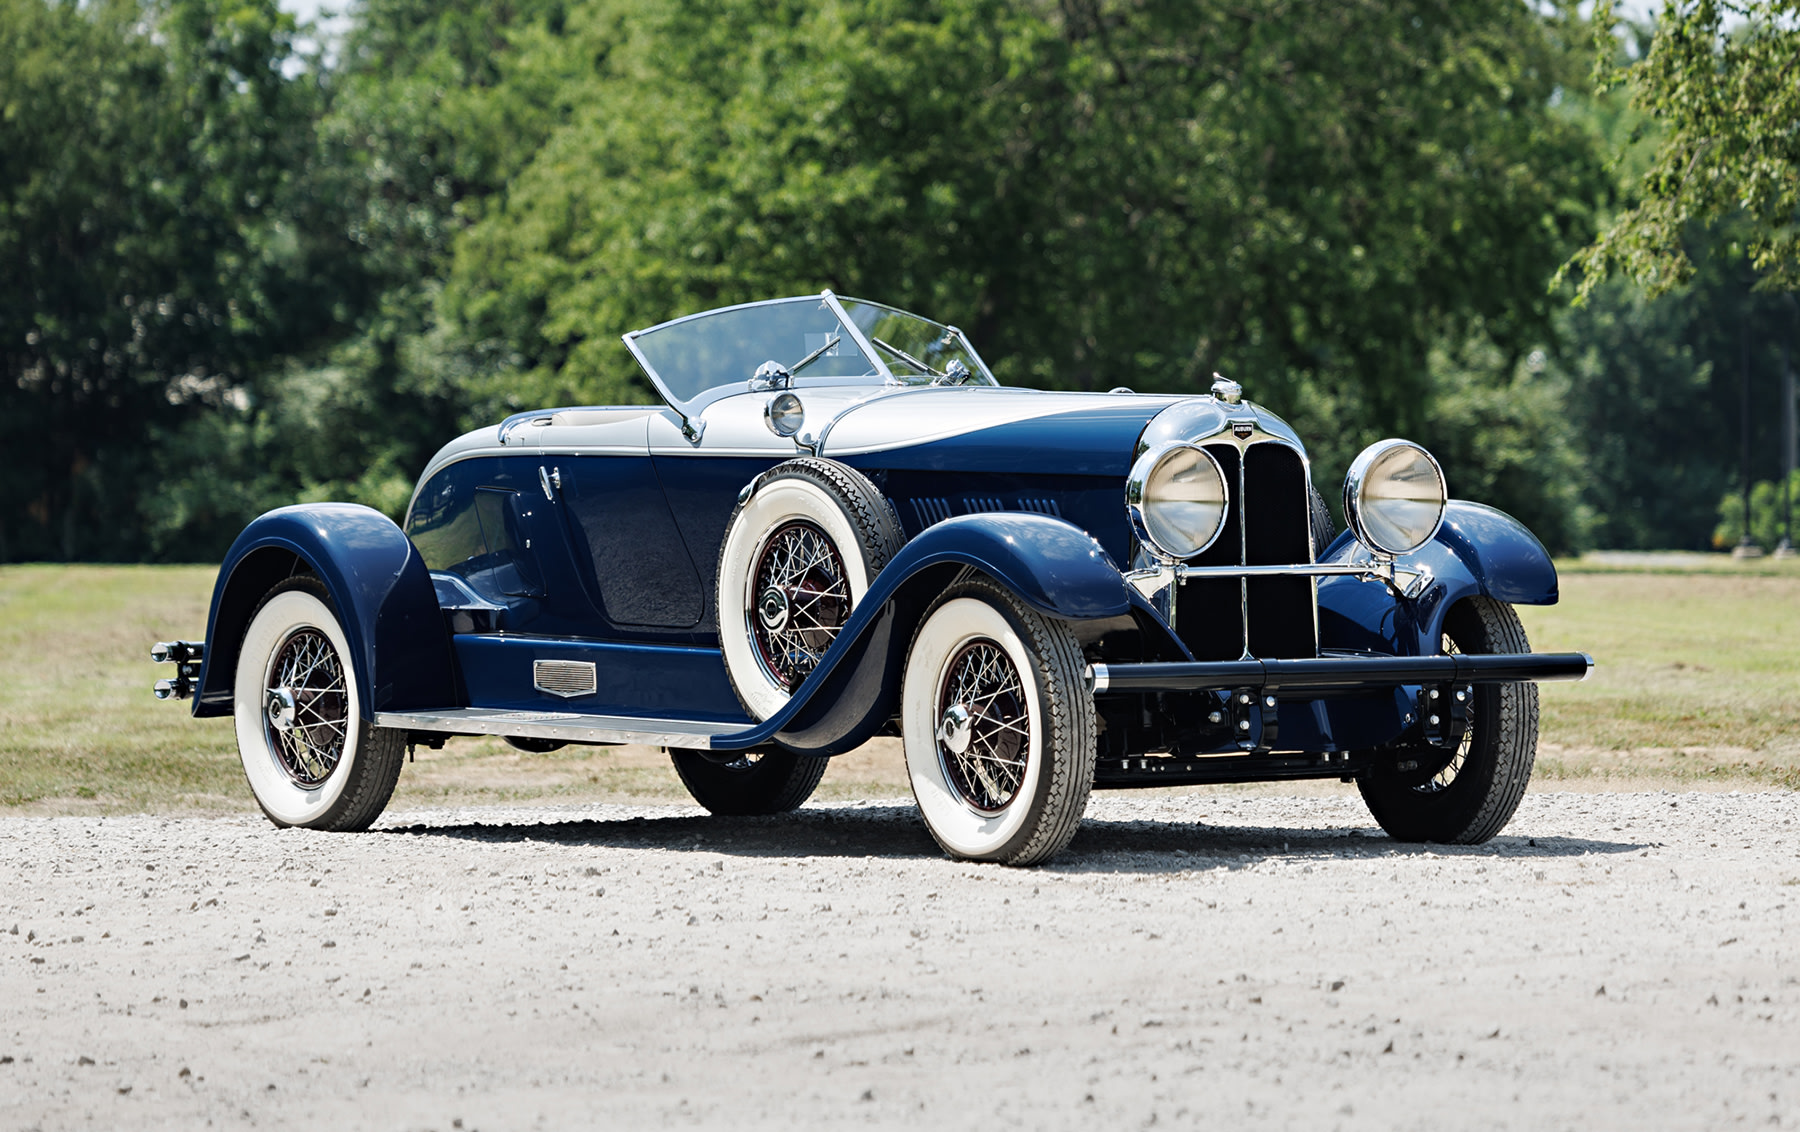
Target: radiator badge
(1243, 429)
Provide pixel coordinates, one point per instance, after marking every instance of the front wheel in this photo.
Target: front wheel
(311, 759)
(1465, 796)
(999, 727)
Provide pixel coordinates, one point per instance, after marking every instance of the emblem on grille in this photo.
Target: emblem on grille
(1243, 429)
(564, 678)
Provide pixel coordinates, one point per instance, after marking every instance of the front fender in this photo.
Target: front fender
(1051, 565)
(400, 649)
(1478, 551)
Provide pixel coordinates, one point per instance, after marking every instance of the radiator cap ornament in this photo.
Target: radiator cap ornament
(1226, 389)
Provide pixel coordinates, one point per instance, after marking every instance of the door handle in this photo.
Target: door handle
(549, 479)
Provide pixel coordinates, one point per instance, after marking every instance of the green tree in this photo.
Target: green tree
(424, 117)
(1104, 193)
(1720, 81)
(150, 265)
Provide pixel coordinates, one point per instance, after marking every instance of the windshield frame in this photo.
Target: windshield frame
(691, 407)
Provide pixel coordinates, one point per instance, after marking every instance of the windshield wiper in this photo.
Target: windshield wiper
(773, 375)
(905, 357)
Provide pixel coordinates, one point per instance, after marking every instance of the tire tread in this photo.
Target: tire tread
(1453, 817)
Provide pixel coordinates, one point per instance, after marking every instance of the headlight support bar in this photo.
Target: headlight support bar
(1404, 581)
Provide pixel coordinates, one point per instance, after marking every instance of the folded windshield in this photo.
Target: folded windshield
(697, 359)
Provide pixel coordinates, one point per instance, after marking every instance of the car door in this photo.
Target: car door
(628, 553)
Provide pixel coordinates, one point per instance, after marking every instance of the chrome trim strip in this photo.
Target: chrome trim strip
(570, 727)
(1243, 520)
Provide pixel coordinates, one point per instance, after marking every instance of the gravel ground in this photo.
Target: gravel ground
(1611, 961)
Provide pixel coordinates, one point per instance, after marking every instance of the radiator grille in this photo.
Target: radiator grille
(564, 678)
(1268, 524)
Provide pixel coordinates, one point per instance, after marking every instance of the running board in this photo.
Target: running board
(567, 726)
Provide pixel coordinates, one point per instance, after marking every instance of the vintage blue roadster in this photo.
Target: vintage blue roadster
(839, 525)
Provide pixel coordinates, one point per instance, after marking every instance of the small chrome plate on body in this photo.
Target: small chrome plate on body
(566, 678)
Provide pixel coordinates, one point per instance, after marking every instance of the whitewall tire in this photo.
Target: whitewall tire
(998, 727)
(798, 557)
(310, 758)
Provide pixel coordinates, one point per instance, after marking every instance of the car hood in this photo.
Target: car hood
(1003, 429)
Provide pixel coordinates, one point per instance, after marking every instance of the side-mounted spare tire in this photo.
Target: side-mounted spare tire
(798, 556)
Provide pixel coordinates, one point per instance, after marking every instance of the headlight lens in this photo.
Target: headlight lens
(1394, 496)
(1177, 499)
(784, 414)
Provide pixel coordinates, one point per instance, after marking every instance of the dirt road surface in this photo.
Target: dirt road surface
(1611, 961)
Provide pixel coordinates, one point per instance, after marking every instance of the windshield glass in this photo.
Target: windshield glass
(722, 348)
(916, 349)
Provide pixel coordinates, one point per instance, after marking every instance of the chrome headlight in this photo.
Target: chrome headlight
(1176, 496)
(784, 414)
(1394, 497)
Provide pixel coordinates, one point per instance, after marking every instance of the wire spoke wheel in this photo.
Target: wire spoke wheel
(997, 725)
(307, 709)
(984, 726)
(311, 758)
(799, 599)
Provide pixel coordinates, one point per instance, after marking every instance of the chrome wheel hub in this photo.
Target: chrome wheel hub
(772, 609)
(956, 728)
(281, 708)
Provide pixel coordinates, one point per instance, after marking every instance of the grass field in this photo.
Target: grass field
(1698, 684)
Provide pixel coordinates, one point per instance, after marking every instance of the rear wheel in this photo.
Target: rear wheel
(740, 784)
(998, 727)
(310, 758)
(1467, 795)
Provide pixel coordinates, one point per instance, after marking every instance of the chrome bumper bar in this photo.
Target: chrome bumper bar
(1313, 675)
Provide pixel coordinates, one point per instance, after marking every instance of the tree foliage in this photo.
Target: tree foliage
(244, 276)
(154, 256)
(1102, 193)
(1720, 81)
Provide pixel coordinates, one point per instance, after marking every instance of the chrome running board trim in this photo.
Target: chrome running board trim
(568, 726)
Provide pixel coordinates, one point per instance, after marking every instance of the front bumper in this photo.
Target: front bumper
(1332, 711)
(1325, 675)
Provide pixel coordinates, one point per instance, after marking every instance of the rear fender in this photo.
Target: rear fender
(400, 648)
(1478, 552)
(1051, 565)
